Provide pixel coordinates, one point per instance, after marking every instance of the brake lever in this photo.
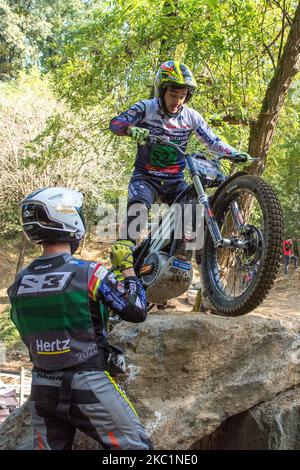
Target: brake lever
(249, 160)
(233, 159)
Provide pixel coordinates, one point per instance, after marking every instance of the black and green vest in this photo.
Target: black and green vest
(50, 307)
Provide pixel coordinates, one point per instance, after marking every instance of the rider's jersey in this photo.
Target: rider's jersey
(161, 160)
(59, 305)
(287, 248)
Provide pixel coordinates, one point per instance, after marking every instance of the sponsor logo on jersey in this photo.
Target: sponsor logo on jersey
(34, 283)
(56, 346)
(46, 266)
(101, 272)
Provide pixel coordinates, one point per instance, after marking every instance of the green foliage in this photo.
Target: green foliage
(119, 48)
(283, 169)
(28, 30)
(45, 144)
(9, 335)
(24, 106)
(103, 56)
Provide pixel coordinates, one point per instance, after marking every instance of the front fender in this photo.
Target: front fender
(219, 189)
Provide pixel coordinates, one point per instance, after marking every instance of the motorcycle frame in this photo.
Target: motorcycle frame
(202, 198)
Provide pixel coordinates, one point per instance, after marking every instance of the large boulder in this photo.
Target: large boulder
(188, 373)
(272, 425)
(16, 432)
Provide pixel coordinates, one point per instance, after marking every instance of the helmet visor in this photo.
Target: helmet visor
(31, 213)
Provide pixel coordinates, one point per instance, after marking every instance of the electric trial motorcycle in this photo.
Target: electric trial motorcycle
(242, 224)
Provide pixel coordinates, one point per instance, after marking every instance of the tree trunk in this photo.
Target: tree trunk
(167, 44)
(262, 131)
(22, 251)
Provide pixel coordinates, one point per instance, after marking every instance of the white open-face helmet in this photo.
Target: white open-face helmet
(53, 215)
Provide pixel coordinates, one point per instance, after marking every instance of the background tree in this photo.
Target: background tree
(101, 56)
(29, 29)
(263, 129)
(45, 144)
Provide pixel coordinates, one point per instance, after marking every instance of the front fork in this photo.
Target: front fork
(212, 224)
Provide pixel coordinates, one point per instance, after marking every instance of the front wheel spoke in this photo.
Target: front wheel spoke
(235, 277)
(234, 269)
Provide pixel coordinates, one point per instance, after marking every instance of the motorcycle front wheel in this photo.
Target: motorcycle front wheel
(237, 280)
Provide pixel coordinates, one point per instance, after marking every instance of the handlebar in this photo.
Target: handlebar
(164, 140)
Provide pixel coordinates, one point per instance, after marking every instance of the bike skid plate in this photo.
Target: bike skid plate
(171, 278)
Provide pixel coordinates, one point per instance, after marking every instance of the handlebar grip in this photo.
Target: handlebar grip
(243, 159)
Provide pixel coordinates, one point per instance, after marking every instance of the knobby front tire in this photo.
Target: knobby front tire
(268, 213)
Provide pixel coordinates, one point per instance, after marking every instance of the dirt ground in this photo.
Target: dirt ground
(283, 302)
